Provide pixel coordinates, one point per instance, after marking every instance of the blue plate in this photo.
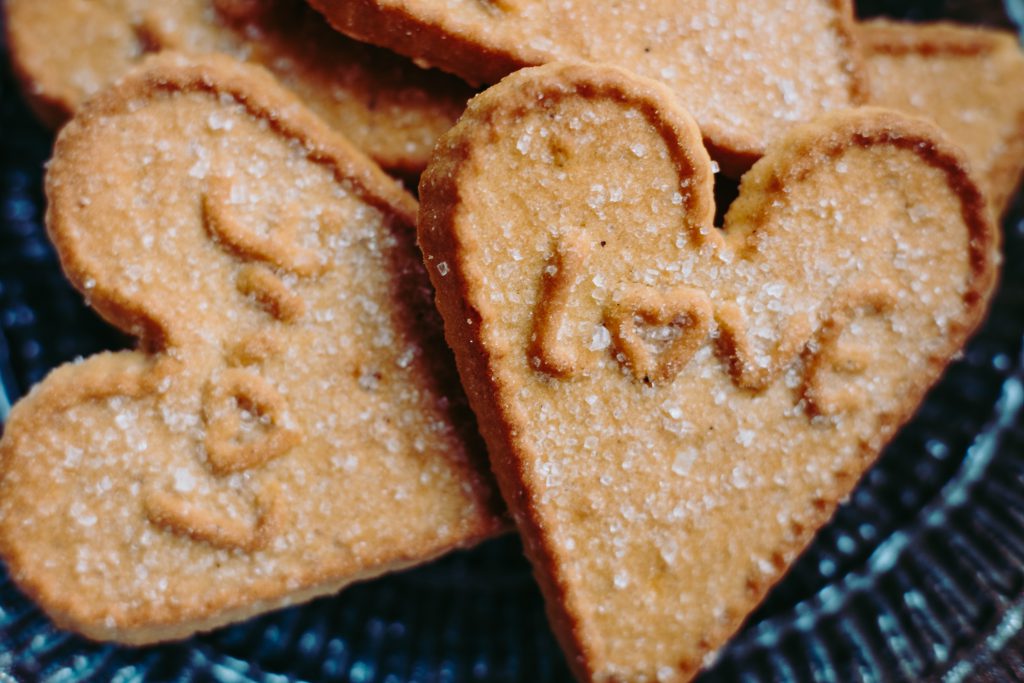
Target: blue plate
(919, 576)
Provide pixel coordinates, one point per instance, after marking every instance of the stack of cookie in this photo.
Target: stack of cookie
(670, 409)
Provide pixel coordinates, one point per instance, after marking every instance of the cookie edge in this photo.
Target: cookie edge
(262, 95)
(392, 24)
(439, 238)
(84, 380)
(895, 39)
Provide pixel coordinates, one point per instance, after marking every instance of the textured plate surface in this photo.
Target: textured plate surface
(919, 576)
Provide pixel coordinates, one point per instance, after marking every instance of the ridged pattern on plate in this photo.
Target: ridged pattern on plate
(919, 576)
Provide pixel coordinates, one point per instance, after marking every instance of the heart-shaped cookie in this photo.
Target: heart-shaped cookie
(748, 71)
(672, 409)
(65, 50)
(968, 80)
(291, 424)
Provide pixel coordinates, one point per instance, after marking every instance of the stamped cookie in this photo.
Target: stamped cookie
(968, 80)
(672, 410)
(747, 72)
(291, 422)
(64, 50)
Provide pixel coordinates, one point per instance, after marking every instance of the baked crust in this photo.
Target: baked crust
(292, 423)
(968, 80)
(650, 557)
(712, 54)
(63, 51)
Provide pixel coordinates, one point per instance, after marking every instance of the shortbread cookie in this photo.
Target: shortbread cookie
(292, 422)
(747, 72)
(968, 80)
(64, 50)
(671, 409)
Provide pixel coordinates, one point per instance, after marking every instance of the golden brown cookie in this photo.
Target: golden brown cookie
(291, 422)
(747, 73)
(968, 80)
(672, 409)
(64, 50)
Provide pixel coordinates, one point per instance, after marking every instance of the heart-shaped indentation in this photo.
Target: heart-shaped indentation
(657, 332)
(855, 261)
(247, 422)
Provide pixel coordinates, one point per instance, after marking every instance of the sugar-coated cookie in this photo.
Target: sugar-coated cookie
(747, 70)
(65, 50)
(968, 80)
(673, 409)
(291, 422)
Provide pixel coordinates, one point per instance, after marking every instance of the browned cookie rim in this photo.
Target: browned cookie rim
(439, 233)
(423, 36)
(135, 373)
(250, 86)
(54, 100)
(900, 39)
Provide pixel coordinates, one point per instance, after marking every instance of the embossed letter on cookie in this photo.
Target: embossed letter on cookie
(673, 409)
(287, 428)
